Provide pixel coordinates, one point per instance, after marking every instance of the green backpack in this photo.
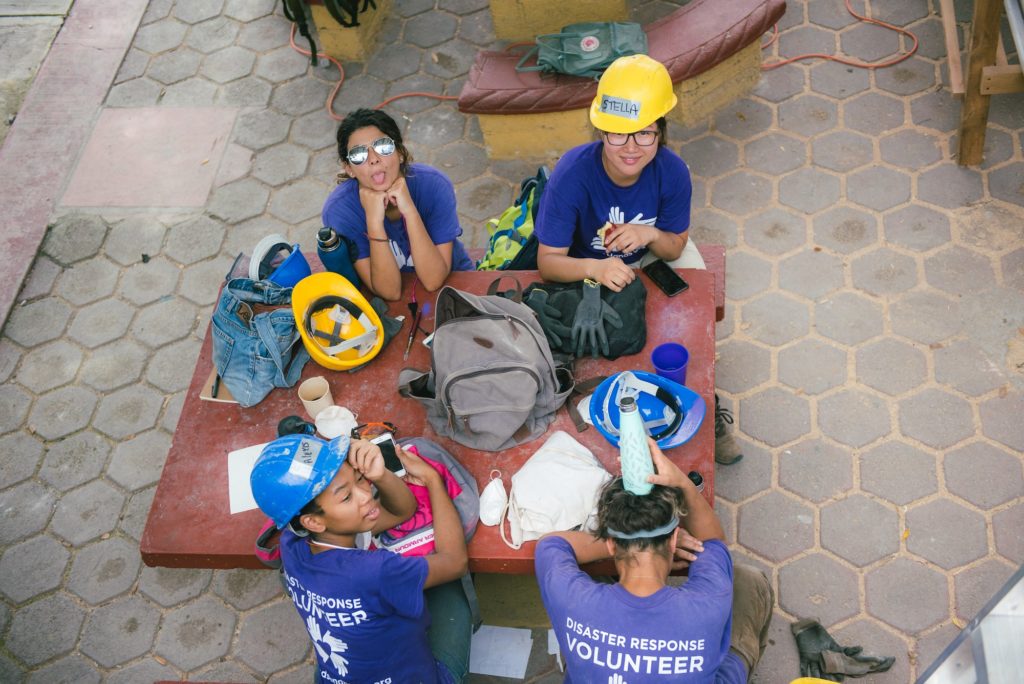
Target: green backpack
(512, 246)
(585, 49)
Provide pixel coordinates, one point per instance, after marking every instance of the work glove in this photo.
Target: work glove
(822, 657)
(588, 325)
(550, 318)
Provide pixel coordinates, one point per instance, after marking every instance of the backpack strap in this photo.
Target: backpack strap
(295, 12)
(515, 295)
(582, 389)
(268, 545)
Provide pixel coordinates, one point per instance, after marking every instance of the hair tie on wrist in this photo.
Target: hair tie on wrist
(375, 239)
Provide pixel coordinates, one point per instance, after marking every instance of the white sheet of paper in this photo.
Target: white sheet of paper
(240, 463)
(500, 651)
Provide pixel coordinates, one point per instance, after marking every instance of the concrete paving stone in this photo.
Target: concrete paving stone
(261, 128)
(958, 270)
(738, 484)
(463, 7)
(359, 91)
(114, 365)
(394, 64)
(984, 475)
(133, 237)
(139, 92)
(281, 64)
(10, 355)
(301, 96)
(156, 10)
(1006, 527)
(1000, 420)
(884, 272)
(298, 201)
(727, 516)
(854, 418)
(74, 460)
(146, 282)
(778, 85)
(916, 227)
(775, 319)
(440, 126)
(159, 36)
(87, 281)
(811, 366)
(966, 367)
(163, 322)
(776, 527)
(878, 641)
(238, 201)
(950, 186)
(711, 227)
(61, 412)
(202, 281)
(120, 631)
(811, 273)
(743, 119)
(915, 75)
(300, 675)
(172, 586)
(72, 669)
(928, 648)
(906, 13)
(37, 322)
(195, 634)
(460, 161)
(998, 148)
(40, 279)
(939, 110)
(138, 461)
(841, 151)
(135, 513)
(243, 237)
(431, 30)
(316, 132)
(194, 240)
(168, 369)
(946, 533)
(482, 198)
(450, 60)
(838, 80)
(227, 671)
(148, 670)
(237, 160)
(775, 416)
(215, 34)
(780, 660)
(14, 403)
(869, 43)
(280, 164)
(710, 156)
(1006, 112)
(805, 39)
(49, 366)
(1005, 183)
(741, 365)
(860, 530)
(10, 671)
(808, 115)
(775, 231)
(267, 34)
(878, 188)
(906, 594)
(741, 193)
(174, 65)
(304, 234)
(101, 322)
(195, 11)
(104, 570)
(848, 318)
(267, 638)
(23, 453)
(132, 66)
(248, 10)
(172, 412)
(975, 587)
(873, 113)
(419, 83)
(936, 418)
(832, 16)
(228, 64)
(478, 28)
(898, 472)
(891, 366)
(810, 190)
(245, 589)
(819, 586)
(989, 227)
(128, 411)
(193, 92)
(86, 513)
(816, 470)
(32, 567)
(910, 149)
(1013, 269)
(45, 629)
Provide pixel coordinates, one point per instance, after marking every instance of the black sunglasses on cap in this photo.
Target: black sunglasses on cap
(385, 147)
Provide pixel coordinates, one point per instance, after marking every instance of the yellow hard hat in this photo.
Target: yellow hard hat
(340, 329)
(634, 92)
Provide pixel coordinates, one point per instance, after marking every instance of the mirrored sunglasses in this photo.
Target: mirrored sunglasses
(385, 147)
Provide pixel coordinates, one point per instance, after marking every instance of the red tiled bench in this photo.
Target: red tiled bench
(711, 48)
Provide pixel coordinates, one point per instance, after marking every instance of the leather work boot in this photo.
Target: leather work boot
(727, 451)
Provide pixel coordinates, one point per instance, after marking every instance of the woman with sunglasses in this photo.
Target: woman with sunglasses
(400, 215)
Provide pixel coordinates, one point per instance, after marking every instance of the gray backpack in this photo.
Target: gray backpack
(493, 383)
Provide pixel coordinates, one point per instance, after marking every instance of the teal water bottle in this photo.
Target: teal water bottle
(634, 452)
(334, 253)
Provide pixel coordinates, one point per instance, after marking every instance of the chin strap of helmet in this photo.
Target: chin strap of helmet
(342, 311)
(626, 384)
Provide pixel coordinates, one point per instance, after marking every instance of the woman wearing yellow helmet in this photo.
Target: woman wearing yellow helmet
(400, 215)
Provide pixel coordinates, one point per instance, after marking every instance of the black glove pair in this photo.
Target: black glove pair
(587, 331)
(822, 657)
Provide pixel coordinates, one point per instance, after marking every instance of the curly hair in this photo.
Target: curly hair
(363, 118)
(626, 512)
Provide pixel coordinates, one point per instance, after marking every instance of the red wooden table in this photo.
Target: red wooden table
(190, 526)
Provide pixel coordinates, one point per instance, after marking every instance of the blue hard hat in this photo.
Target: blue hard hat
(672, 413)
(292, 470)
(293, 269)
(267, 264)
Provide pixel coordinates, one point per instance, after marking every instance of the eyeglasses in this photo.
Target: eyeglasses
(385, 147)
(641, 138)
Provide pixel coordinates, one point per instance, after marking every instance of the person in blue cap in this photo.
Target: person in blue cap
(712, 628)
(366, 610)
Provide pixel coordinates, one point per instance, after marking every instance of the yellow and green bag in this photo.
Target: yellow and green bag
(511, 245)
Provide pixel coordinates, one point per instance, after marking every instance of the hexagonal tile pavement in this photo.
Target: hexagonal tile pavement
(815, 470)
(812, 273)
(104, 570)
(898, 472)
(120, 631)
(776, 527)
(946, 533)
(809, 190)
(88, 512)
(891, 366)
(854, 418)
(924, 317)
(936, 418)
(984, 475)
(266, 637)
(974, 587)
(848, 318)
(957, 270)
(845, 229)
(819, 586)
(775, 319)
(45, 629)
(906, 594)
(884, 271)
(1000, 420)
(32, 567)
(195, 634)
(860, 529)
(741, 365)
(775, 416)
(775, 231)
(842, 151)
(917, 227)
(811, 366)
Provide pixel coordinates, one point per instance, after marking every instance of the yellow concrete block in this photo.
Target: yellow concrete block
(532, 136)
(525, 19)
(349, 44)
(510, 601)
(706, 93)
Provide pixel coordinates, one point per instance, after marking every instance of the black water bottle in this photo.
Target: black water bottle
(333, 251)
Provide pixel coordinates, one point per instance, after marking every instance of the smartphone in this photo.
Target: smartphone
(666, 278)
(389, 448)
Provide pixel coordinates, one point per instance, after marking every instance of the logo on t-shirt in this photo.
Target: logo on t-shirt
(616, 217)
(401, 258)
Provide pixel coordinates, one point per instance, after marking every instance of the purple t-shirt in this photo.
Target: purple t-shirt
(580, 197)
(678, 634)
(434, 197)
(364, 611)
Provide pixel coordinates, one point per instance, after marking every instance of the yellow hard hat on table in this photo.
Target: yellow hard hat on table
(340, 329)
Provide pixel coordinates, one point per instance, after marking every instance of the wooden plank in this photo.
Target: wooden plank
(1000, 53)
(956, 74)
(1000, 80)
(974, 113)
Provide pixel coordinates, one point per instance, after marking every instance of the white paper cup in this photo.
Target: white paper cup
(335, 421)
(315, 394)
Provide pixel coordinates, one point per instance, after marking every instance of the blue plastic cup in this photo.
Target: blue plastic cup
(670, 361)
